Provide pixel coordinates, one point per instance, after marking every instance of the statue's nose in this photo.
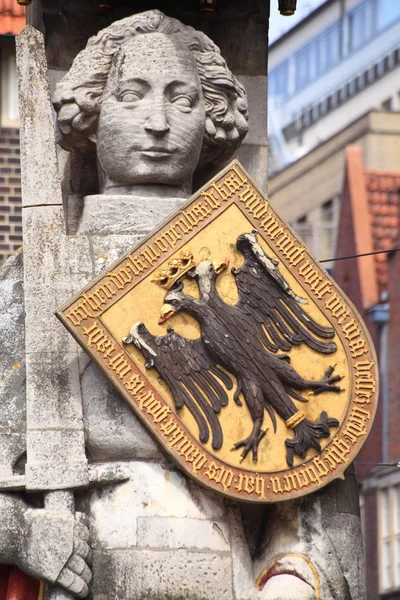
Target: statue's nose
(157, 122)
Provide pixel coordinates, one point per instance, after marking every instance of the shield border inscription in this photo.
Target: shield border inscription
(82, 317)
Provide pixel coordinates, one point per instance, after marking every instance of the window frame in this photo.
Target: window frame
(389, 537)
(379, 26)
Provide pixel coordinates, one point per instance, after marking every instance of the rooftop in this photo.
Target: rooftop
(371, 202)
(383, 189)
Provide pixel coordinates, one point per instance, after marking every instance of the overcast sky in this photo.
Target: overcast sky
(278, 24)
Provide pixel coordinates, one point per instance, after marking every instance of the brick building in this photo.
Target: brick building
(12, 20)
(369, 222)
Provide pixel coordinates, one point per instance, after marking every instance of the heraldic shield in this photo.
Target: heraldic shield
(234, 347)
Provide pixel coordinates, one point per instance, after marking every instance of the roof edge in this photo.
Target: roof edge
(358, 198)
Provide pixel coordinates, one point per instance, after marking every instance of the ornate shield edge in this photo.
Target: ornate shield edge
(82, 317)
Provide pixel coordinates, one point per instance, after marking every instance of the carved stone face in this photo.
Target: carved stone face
(152, 117)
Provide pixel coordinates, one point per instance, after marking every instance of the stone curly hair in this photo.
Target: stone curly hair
(78, 95)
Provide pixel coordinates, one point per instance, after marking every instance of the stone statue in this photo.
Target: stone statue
(171, 86)
(154, 100)
(168, 83)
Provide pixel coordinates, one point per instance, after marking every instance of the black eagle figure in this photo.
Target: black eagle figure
(267, 318)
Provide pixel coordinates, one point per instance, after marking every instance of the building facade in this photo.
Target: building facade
(334, 66)
(326, 76)
(369, 223)
(308, 192)
(335, 82)
(12, 20)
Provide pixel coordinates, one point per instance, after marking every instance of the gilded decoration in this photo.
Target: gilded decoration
(169, 322)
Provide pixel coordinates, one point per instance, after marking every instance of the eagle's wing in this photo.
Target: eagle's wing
(266, 296)
(194, 378)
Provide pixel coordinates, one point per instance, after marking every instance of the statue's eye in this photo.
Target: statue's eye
(184, 103)
(130, 96)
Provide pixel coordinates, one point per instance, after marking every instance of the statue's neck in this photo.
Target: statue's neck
(146, 190)
(122, 214)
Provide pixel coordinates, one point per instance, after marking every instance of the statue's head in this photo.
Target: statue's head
(155, 99)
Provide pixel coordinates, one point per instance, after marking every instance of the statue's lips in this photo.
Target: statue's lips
(156, 153)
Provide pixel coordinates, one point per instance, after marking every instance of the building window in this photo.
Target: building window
(8, 88)
(333, 45)
(389, 538)
(327, 231)
(387, 105)
(305, 231)
(388, 13)
(317, 57)
(302, 69)
(278, 80)
(359, 25)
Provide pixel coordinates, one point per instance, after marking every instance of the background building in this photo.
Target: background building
(369, 222)
(326, 75)
(12, 20)
(334, 132)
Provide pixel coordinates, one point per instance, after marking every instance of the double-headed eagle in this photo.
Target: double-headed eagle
(247, 340)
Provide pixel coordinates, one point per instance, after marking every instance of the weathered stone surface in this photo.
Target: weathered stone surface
(256, 88)
(340, 515)
(30, 538)
(161, 532)
(46, 264)
(62, 386)
(296, 529)
(253, 153)
(113, 431)
(12, 365)
(55, 459)
(80, 257)
(254, 159)
(36, 123)
(106, 250)
(159, 575)
(48, 559)
(134, 215)
(242, 564)
(153, 490)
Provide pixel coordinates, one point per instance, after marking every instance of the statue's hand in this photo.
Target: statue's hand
(76, 575)
(55, 549)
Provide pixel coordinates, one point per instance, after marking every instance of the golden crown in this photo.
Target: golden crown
(176, 268)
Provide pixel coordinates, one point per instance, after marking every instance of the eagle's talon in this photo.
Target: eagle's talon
(329, 372)
(250, 443)
(307, 435)
(326, 383)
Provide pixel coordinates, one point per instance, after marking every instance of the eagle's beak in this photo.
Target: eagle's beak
(221, 266)
(166, 312)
